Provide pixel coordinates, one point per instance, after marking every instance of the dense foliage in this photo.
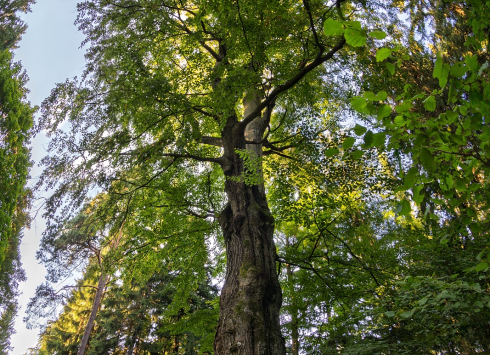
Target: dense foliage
(133, 319)
(15, 130)
(355, 134)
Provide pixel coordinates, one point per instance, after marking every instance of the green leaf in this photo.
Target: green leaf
(348, 142)
(359, 104)
(423, 301)
(409, 181)
(412, 172)
(458, 70)
(379, 139)
(400, 121)
(486, 91)
(377, 34)
(460, 185)
(357, 154)
(381, 95)
(471, 62)
(331, 152)
(370, 96)
(441, 71)
(449, 181)
(437, 67)
(407, 314)
(426, 159)
(384, 111)
(358, 129)
(430, 103)
(368, 139)
(417, 196)
(382, 54)
(353, 24)
(390, 314)
(405, 207)
(404, 107)
(443, 77)
(481, 266)
(354, 37)
(451, 115)
(389, 66)
(420, 139)
(332, 27)
(457, 139)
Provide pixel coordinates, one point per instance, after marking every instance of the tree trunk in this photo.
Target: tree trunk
(133, 342)
(95, 307)
(103, 279)
(251, 296)
(175, 349)
(294, 312)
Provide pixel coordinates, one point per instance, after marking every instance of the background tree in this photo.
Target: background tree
(431, 105)
(133, 319)
(103, 240)
(11, 275)
(11, 26)
(15, 124)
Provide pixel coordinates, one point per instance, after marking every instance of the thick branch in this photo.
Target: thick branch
(216, 141)
(290, 83)
(195, 157)
(200, 110)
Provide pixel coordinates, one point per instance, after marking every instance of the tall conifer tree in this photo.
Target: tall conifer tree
(15, 124)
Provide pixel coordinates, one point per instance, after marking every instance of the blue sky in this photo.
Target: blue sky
(50, 53)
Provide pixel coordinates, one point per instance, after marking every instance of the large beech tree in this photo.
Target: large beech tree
(203, 86)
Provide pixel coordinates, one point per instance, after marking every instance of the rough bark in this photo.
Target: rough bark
(251, 296)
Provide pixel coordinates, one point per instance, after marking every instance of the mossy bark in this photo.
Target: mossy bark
(251, 296)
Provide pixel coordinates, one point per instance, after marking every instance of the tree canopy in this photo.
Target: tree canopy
(334, 153)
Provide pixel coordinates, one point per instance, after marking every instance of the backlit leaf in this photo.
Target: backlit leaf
(430, 103)
(377, 34)
(382, 54)
(355, 37)
(384, 111)
(333, 28)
